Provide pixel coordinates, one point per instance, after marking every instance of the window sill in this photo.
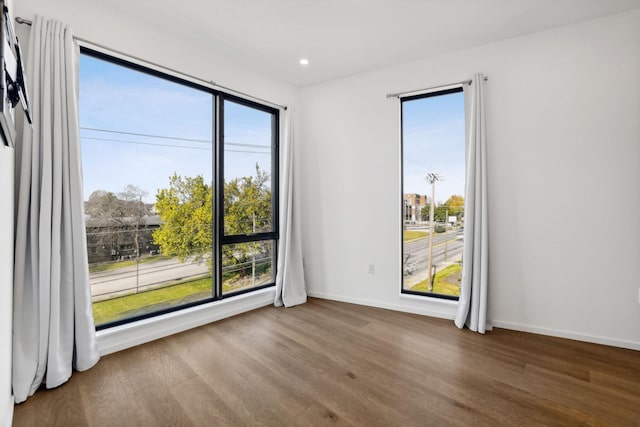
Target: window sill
(132, 334)
(430, 299)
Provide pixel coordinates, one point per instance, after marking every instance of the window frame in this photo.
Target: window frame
(430, 94)
(219, 194)
(217, 159)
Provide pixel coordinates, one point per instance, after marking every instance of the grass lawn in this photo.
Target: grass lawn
(413, 235)
(147, 301)
(447, 281)
(156, 299)
(121, 264)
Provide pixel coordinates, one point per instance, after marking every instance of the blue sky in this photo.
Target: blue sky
(116, 98)
(433, 141)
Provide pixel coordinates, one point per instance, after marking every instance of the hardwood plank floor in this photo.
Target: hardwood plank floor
(332, 363)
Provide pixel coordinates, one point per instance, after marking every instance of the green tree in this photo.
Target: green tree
(185, 210)
(455, 201)
(439, 213)
(247, 204)
(455, 205)
(186, 214)
(247, 209)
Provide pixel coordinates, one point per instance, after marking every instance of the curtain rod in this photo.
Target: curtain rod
(20, 20)
(399, 94)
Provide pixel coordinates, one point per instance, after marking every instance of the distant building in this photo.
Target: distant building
(111, 239)
(413, 205)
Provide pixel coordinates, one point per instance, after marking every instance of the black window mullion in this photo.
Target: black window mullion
(275, 190)
(219, 194)
(247, 238)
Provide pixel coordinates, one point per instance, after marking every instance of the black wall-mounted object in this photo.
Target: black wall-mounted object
(13, 85)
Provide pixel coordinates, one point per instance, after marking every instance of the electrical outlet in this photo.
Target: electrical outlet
(372, 268)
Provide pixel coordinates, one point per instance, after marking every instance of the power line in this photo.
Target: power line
(174, 138)
(207, 141)
(249, 152)
(237, 144)
(144, 143)
(171, 145)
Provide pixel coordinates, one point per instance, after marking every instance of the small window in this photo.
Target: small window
(249, 143)
(433, 181)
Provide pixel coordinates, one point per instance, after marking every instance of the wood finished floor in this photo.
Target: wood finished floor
(331, 363)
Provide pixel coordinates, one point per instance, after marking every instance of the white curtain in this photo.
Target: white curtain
(53, 328)
(290, 285)
(472, 306)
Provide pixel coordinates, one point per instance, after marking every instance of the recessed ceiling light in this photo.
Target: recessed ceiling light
(304, 61)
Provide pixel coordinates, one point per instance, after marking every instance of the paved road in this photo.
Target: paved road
(107, 284)
(416, 255)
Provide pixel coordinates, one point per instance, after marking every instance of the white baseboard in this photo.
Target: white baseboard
(567, 334)
(6, 409)
(450, 314)
(427, 311)
(136, 333)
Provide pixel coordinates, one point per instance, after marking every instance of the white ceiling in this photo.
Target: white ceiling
(345, 37)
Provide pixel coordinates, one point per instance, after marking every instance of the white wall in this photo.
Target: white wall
(6, 275)
(564, 169)
(6, 282)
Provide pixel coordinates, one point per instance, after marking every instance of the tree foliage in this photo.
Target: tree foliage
(439, 213)
(454, 206)
(186, 214)
(247, 209)
(132, 197)
(247, 204)
(123, 207)
(125, 210)
(103, 204)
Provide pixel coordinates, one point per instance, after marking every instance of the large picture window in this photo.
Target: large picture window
(433, 180)
(180, 190)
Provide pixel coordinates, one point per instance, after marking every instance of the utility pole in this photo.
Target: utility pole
(137, 241)
(446, 232)
(253, 254)
(431, 179)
